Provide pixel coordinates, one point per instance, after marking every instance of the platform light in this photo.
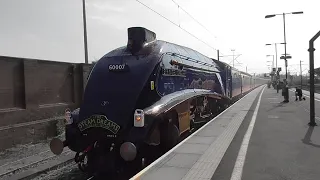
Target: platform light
(299, 12)
(138, 118)
(270, 16)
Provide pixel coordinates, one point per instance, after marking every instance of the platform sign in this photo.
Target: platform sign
(287, 57)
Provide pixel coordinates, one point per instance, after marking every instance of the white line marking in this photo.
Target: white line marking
(238, 167)
(137, 176)
(273, 98)
(275, 102)
(273, 117)
(306, 95)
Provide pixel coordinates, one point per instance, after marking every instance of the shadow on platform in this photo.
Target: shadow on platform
(307, 138)
(280, 104)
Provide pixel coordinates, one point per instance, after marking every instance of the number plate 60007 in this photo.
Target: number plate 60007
(118, 67)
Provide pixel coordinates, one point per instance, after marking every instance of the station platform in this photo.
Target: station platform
(258, 137)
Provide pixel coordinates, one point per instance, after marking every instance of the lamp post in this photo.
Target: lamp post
(85, 31)
(300, 74)
(272, 75)
(285, 46)
(284, 33)
(311, 67)
(272, 60)
(276, 51)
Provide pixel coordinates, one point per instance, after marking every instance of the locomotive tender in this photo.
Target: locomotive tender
(147, 93)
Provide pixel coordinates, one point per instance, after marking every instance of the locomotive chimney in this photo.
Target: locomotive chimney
(138, 37)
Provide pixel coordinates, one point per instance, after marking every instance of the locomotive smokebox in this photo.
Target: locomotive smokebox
(138, 37)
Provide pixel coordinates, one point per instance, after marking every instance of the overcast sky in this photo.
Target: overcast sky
(53, 29)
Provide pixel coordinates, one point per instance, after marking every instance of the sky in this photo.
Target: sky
(53, 29)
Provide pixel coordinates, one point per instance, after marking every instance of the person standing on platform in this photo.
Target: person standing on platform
(269, 84)
(285, 92)
(298, 94)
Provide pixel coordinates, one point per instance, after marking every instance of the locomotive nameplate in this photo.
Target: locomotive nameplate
(99, 121)
(174, 72)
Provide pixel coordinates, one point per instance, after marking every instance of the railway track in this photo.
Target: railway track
(22, 166)
(316, 88)
(306, 87)
(71, 171)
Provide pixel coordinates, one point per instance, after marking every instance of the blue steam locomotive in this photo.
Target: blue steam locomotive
(145, 94)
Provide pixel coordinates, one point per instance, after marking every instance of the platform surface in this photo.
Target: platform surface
(257, 138)
(282, 145)
(198, 156)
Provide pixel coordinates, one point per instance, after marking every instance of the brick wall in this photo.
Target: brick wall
(31, 91)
